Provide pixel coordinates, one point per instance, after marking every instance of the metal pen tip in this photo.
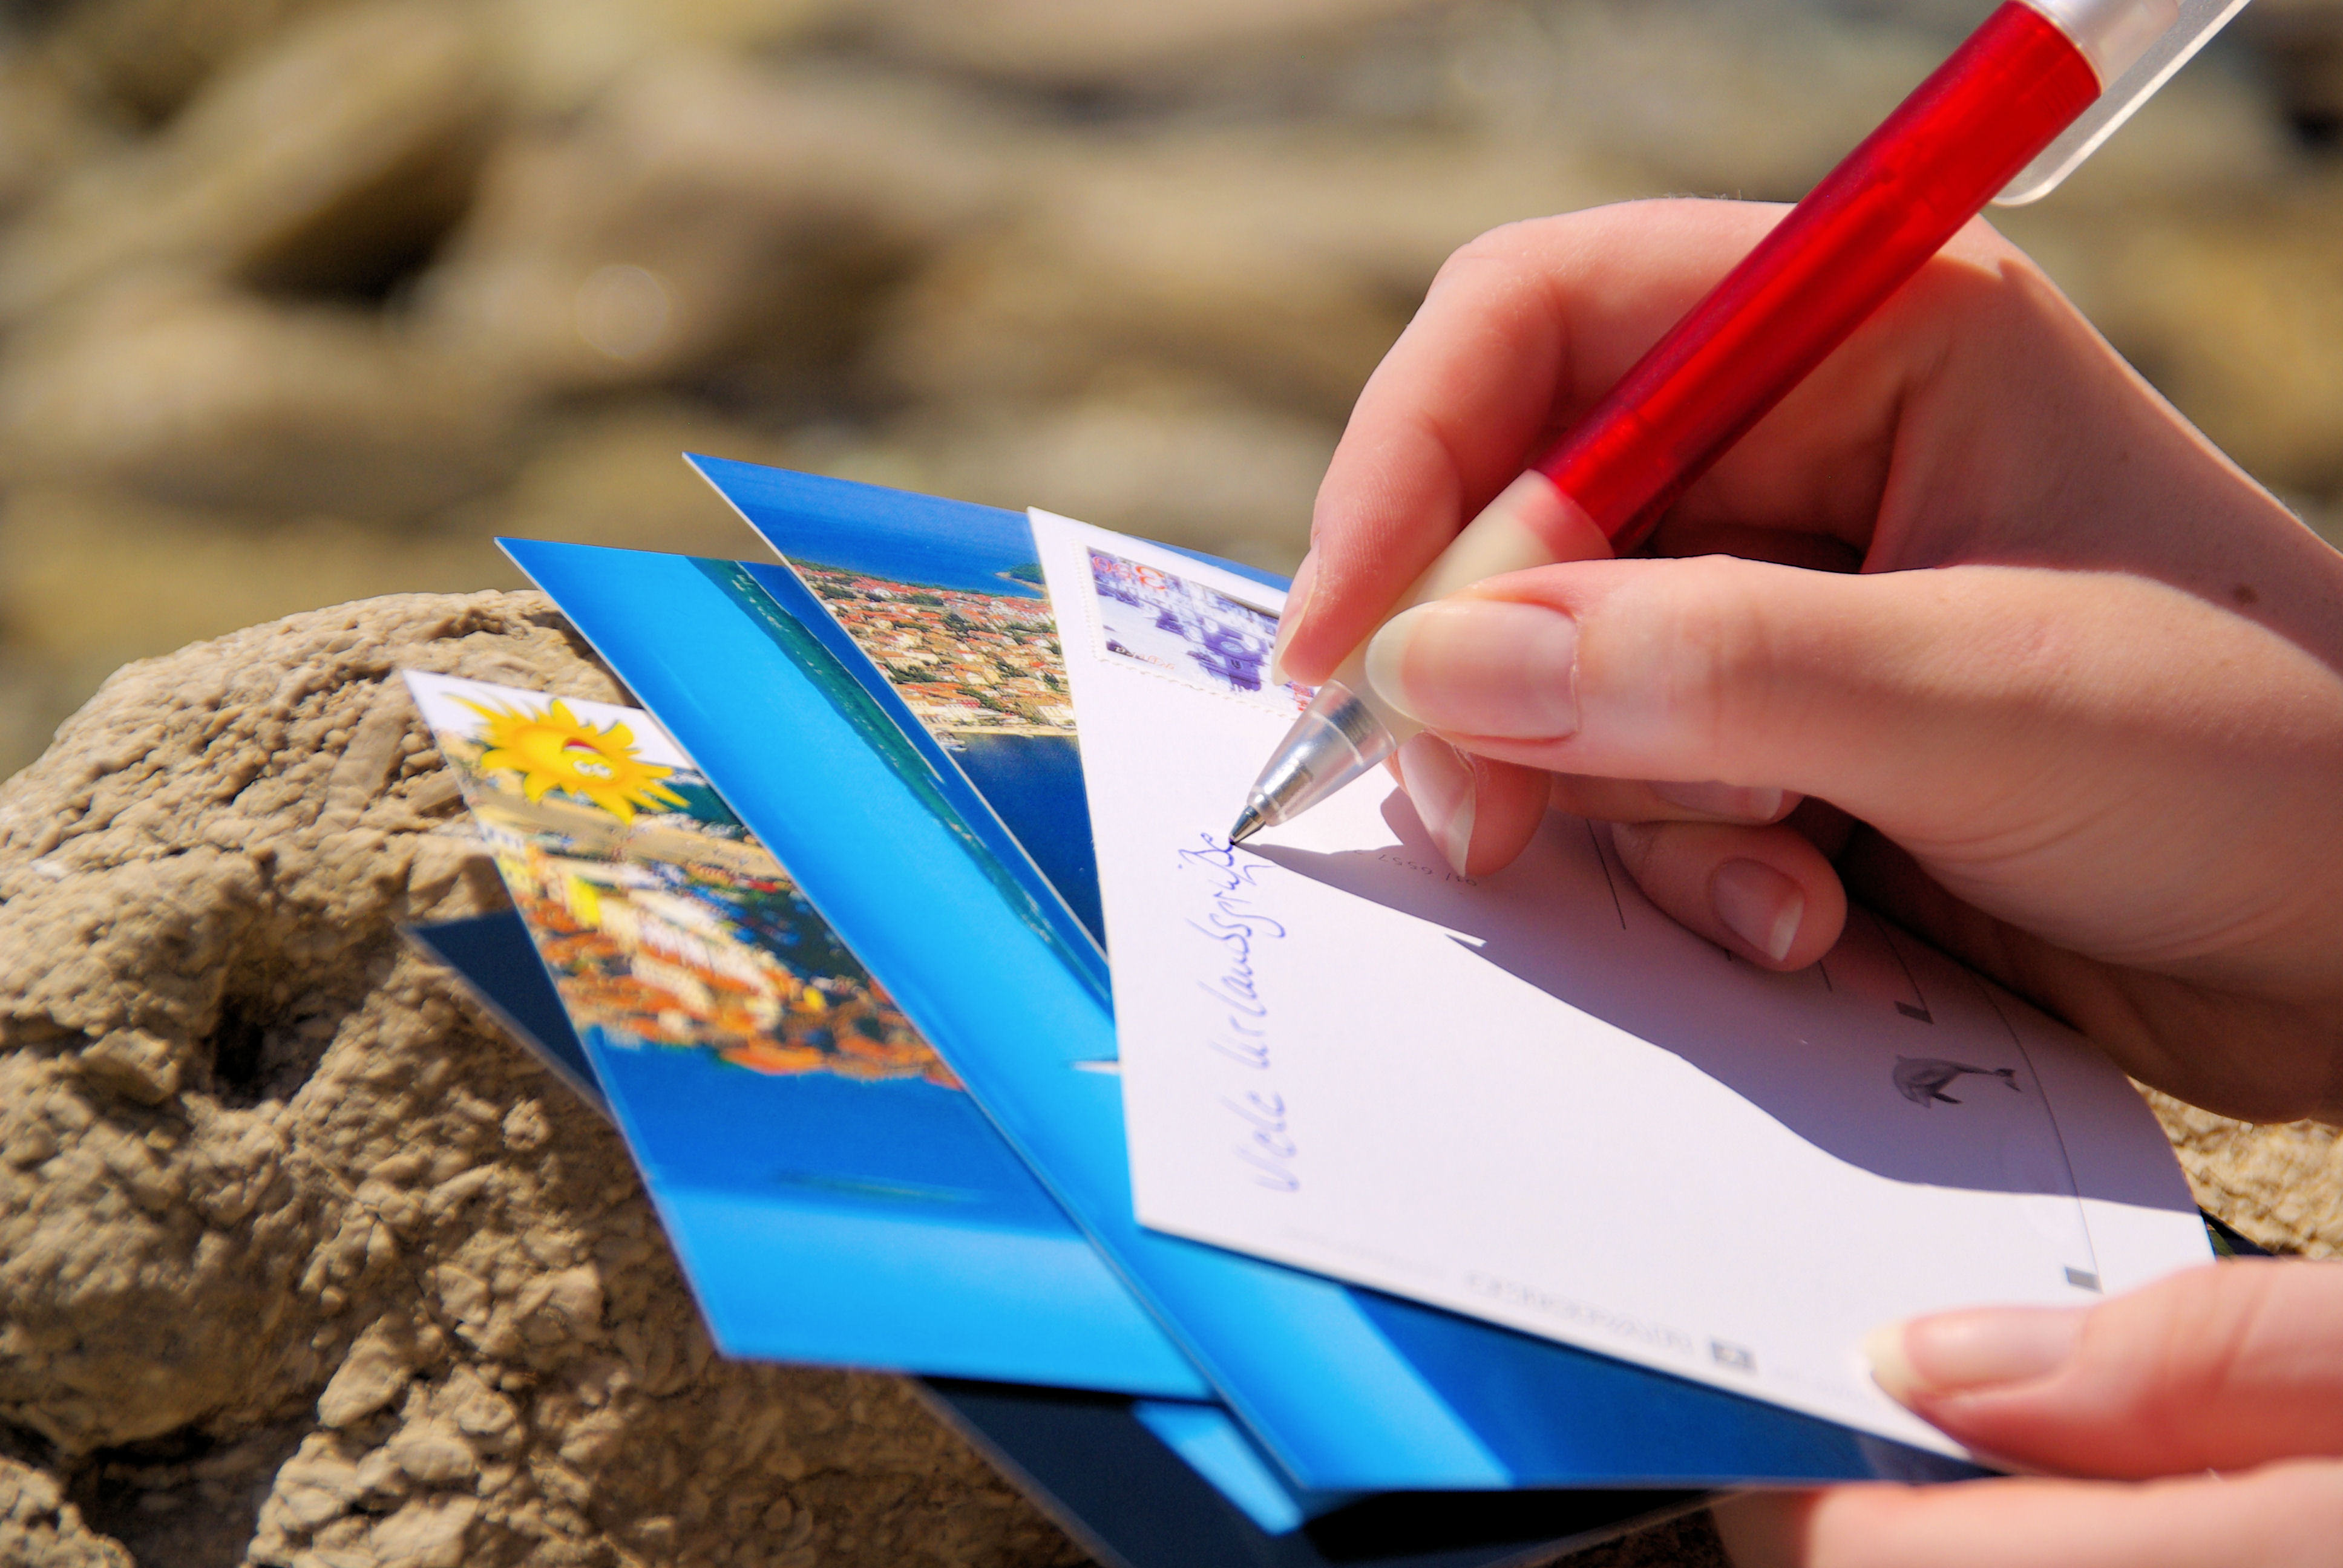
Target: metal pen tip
(1249, 822)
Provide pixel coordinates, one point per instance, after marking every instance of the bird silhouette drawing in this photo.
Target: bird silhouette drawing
(1922, 1079)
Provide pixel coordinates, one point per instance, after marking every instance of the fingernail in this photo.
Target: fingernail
(1443, 787)
(1758, 904)
(1297, 605)
(1963, 1353)
(1722, 799)
(1479, 667)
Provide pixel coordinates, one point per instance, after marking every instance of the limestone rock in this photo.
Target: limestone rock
(1080, 41)
(359, 1281)
(192, 393)
(48, 126)
(2303, 42)
(705, 213)
(151, 56)
(39, 1529)
(2281, 1185)
(392, 100)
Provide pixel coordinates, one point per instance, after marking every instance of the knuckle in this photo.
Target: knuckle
(1721, 674)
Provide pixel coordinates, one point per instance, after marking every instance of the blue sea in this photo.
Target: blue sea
(970, 556)
(821, 1138)
(1035, 783)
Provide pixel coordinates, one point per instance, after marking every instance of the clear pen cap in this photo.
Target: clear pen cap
(2112, 32)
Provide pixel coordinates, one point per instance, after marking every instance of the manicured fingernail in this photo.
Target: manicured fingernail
(1479, 667)
(1758, 904)
(1964, 1353)
(1722, 799)
(1443, 786)
(1297, 605)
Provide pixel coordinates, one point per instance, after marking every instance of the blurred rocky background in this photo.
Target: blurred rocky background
(303, 300)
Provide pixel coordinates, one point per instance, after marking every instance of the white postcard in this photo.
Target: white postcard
(1532, 1096)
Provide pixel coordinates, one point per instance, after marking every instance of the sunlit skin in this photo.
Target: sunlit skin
(1976, 628)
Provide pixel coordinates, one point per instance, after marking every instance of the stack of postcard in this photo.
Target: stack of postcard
(1296, 1202)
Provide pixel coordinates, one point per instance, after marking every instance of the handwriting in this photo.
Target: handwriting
(1266, 1146)
(1240, 1032)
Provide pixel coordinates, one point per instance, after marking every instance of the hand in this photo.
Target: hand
(2095, 749)
(2227, 1380)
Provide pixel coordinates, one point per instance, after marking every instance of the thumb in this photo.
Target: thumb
(2219, 1368)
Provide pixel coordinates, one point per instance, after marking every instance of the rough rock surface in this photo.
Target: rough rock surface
(2282, 1186)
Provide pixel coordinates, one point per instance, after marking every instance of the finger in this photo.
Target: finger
(1521, 329)
(2282, 1517)
(1648, 801)
(1481, 814)
(2218, 1368)
(1765, 893)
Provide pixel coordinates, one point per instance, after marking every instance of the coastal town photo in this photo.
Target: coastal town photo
(967, 663)
(665, 925)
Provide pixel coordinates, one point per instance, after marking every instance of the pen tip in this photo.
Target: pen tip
(1249, 823)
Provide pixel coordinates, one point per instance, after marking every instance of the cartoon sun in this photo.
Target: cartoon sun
(556, 749)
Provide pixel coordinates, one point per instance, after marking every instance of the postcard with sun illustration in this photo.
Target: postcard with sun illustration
(665, 924)
(784, 1110)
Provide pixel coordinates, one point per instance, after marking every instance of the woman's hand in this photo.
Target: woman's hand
(2096, 748)
(2226, 1382)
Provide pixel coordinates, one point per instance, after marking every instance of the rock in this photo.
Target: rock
(393, 102)
(375, 1372)
(176, 573)
(1074, 42)
(195, 394)
(557, 56)
(1279, 266)
(366, 1266)
(151, 56)
(2280, 1185)
(427, 1532)
(706, 214)
(133, 1064)
(39, 1529)
(48, 127)
(2302, 40)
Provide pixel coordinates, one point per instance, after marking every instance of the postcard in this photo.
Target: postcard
(1532, 1096)
(820, 1168)
(949, 629)
(1349, 1388)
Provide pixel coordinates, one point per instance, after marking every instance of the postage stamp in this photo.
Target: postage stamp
(1180, 628)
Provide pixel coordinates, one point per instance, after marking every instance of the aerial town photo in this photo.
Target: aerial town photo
(967, 663)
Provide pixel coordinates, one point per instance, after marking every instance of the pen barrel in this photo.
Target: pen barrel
(1836, 258)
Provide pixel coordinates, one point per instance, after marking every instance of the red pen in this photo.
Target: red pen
(2027, 97)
